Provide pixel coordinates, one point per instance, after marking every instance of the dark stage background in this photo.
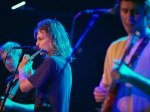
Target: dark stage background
(18, 25)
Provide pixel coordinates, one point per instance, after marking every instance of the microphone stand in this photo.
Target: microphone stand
(90, 25)
(73, 24)
(11, 81)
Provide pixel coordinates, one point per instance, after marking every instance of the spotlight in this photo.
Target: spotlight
(18, 5)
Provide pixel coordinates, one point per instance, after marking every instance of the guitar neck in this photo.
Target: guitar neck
(108, 103)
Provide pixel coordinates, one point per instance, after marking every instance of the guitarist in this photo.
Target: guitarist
(134, 17)
(17, 101)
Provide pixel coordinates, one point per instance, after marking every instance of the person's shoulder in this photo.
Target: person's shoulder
(58, 60)
(115, 44)
(120, 40)
(54, 59)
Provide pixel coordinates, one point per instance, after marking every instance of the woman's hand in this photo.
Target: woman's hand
(26, 65)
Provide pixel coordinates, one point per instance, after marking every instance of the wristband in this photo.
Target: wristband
(22, 75)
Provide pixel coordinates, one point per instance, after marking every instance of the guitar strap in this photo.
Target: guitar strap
(138, 51)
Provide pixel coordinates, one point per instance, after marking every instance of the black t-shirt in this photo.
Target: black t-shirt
(53, 80)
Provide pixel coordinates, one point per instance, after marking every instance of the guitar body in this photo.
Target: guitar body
(14, 89)
(109, 102)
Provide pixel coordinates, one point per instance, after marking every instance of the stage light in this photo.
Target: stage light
(18, 5)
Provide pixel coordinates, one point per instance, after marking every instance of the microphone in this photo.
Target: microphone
(36, 48)
(109, 11)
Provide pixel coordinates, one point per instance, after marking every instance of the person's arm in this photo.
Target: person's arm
(140, 82)
(11, 105)
(125, 74)
(23, 107)
(100, 92)
(25, 85)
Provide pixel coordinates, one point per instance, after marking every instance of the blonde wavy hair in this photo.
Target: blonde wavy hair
(60, 38)
(9, 45)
